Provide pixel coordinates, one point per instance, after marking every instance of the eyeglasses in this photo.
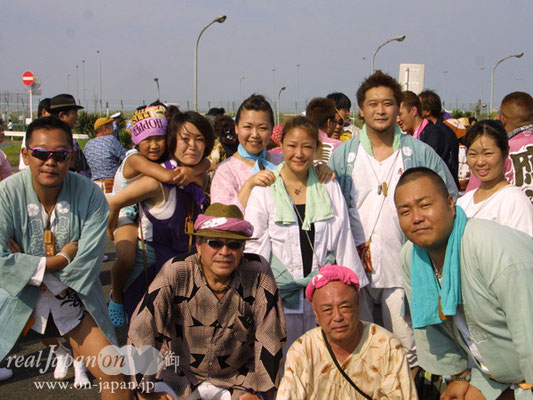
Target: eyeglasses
(45, 154)
(339, 121)
(218, 244)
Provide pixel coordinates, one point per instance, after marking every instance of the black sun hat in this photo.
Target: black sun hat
(63, 102)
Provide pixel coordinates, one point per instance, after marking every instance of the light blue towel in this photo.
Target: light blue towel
(425, 289)
(260, 159)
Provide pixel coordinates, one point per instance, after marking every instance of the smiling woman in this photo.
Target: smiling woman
(251, 165)
(166, 209)
(300, 223)
(497, 200)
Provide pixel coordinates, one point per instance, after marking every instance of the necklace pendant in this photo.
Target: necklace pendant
(49, 243)
(385, 188)
(380, 189)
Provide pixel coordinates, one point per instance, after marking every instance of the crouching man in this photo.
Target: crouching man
(468, 282)
(218, 312)
(344, 358)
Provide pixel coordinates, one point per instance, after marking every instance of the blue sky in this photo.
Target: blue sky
(333, 41)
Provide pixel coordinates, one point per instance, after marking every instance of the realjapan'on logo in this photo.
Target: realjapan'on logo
(112, 360)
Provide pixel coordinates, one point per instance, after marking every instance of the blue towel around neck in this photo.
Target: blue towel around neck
(425, 288)
(260, 159)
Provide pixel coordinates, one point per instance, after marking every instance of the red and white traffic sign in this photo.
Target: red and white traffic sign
(28, 78)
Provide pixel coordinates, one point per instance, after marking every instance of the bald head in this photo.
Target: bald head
(516, 110)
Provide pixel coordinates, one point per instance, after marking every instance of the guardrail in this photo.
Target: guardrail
(21, 134)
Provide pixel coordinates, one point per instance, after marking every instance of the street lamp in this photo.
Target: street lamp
(279, 94)
(240, 88)
(83, 68)
(297, 85)
(100, 54)
(394, 39)
(68, 83)
(518, 55)
(273, 84)
(445, 73)
(220, 19)
(156, 80)
(77, 85)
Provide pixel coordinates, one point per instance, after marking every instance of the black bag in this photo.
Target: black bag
(428, 386)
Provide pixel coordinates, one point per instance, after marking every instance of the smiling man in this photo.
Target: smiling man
(52, 239)
(469, 286)
(371, 358)
(368, 168)
(219, 312)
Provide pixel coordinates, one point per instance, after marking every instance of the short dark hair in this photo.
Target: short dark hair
(341, 100)
(410, 100)
(431, 102)
(178, 119)
(48, 124)
(158, 103)
(418, 172)
(378, 79)
(216, 111)
(303, 123)
(256, 102)
(320, 110)
(521, 104)
(490, 127)
(224, 125)
(44, 104)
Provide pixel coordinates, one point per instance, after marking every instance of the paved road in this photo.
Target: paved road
(23, 384)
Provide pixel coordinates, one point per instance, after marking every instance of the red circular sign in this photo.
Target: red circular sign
(28, 78)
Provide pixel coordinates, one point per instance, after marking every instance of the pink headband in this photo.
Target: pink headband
(204, 222)
(150, 121)
(329, 273)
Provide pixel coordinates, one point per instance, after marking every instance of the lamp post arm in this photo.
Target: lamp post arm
(492, 77)
(394, 39)
(196, 65)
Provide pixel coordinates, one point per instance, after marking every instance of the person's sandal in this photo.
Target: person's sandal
(117, 314)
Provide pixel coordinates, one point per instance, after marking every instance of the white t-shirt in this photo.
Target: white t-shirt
(387, 237)
(163, 210)
(509, 206)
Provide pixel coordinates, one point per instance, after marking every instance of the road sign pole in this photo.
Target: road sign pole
(31, 104)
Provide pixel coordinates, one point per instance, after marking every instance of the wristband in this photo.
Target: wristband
(461, 377)
(66, 256)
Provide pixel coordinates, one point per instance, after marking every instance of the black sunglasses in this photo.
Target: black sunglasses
(45, 154)
(218, 244)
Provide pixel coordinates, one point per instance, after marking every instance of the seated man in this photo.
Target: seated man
(372, 359)
(104, 154)
(52, 239)
(219, 312)
(469, 286)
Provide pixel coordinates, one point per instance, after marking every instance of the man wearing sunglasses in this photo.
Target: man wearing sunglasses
(52, 239)
(218, 312)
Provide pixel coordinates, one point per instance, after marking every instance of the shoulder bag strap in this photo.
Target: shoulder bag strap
(342, 370)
